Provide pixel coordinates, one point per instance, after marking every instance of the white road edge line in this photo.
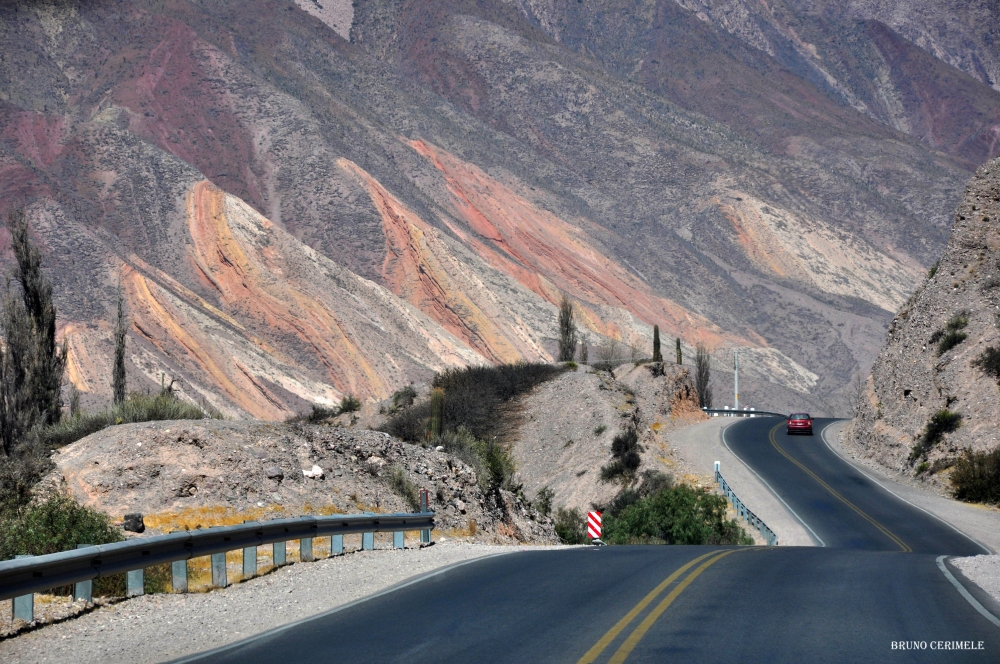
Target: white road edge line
(965, 593)
(336, 609)
(787, 506)
(864, 471)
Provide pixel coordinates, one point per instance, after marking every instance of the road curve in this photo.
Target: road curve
(875, 586)
(835, 500)
(754, 604)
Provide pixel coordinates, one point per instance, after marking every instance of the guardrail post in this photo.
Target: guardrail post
(219, 579)
(336, 545)
(134, 583)
(249, 562)
(23, 607)
(306, 549)
(367, 541)
(425, 535)
(399, 540)
(84, 589)
(179, 576)
(278, 553)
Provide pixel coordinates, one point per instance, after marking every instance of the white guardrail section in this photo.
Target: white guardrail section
(743, 511)
(25, 575)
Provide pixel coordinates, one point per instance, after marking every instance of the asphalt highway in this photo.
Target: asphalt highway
(842, 507)
(874, 592)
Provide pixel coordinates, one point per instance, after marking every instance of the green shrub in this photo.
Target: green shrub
(571, 365)
(402, 399)
(404, 488)
(989, 362)
(137, 408)
(950, 340)
(492, 460)
(349, 404)
(976, 477)
(599, 429)
(676, 515)
(59, 524)
(543, 501)
(933, 270)
(477, 398)
(571, 526)
(625, 459)
(952, 334)
(942, 422)
(650, 482)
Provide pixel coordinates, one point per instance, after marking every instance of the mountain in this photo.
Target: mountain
(932, 363)
(306, 199)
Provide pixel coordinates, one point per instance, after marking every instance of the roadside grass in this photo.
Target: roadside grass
(137, 408)
(194, 518)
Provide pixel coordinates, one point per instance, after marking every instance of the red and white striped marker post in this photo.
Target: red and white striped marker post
(594, 525)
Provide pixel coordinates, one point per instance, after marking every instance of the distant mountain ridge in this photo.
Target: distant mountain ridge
(298, 215)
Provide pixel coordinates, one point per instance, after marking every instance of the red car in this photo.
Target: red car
(800, 423)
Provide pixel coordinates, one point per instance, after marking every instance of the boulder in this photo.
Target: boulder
(133, 523)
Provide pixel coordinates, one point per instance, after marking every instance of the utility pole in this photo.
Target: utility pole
(736, 378)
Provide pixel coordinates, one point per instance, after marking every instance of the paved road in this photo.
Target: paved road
(847, 602)
(836, 501)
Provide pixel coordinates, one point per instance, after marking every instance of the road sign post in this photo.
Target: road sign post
(594, 526)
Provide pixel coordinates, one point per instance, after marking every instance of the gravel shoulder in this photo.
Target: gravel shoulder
(700, 445)
(163, 627)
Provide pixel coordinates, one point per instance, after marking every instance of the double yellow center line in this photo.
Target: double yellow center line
(900, 543)
(633, 639)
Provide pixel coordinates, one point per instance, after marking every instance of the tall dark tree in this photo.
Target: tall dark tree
(680, 356)
(657, 356)
(702, 375)
(567, 331)
(118, 378)
(31, 362)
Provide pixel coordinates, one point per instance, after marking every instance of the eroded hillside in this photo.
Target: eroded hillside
(303, 201)
(930, 374)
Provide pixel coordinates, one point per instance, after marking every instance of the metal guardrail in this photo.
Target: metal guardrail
(743, 511)
(742, 413)
(26, 575)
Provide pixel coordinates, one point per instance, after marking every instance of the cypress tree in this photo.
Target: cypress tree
(437, 413)
(567, 331)
(657, 357)
(31, 363)
(680, 358)
(118, 372)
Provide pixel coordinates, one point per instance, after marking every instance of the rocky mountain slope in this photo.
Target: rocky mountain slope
(568, 424)
(182, 474)
(932, 361)
(307, 199)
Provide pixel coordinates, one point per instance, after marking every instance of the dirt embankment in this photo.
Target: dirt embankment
(568, 425)
(928, 363)
(186, 474)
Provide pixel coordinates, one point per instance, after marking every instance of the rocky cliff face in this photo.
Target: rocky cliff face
(306, 199)
(931, 361)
